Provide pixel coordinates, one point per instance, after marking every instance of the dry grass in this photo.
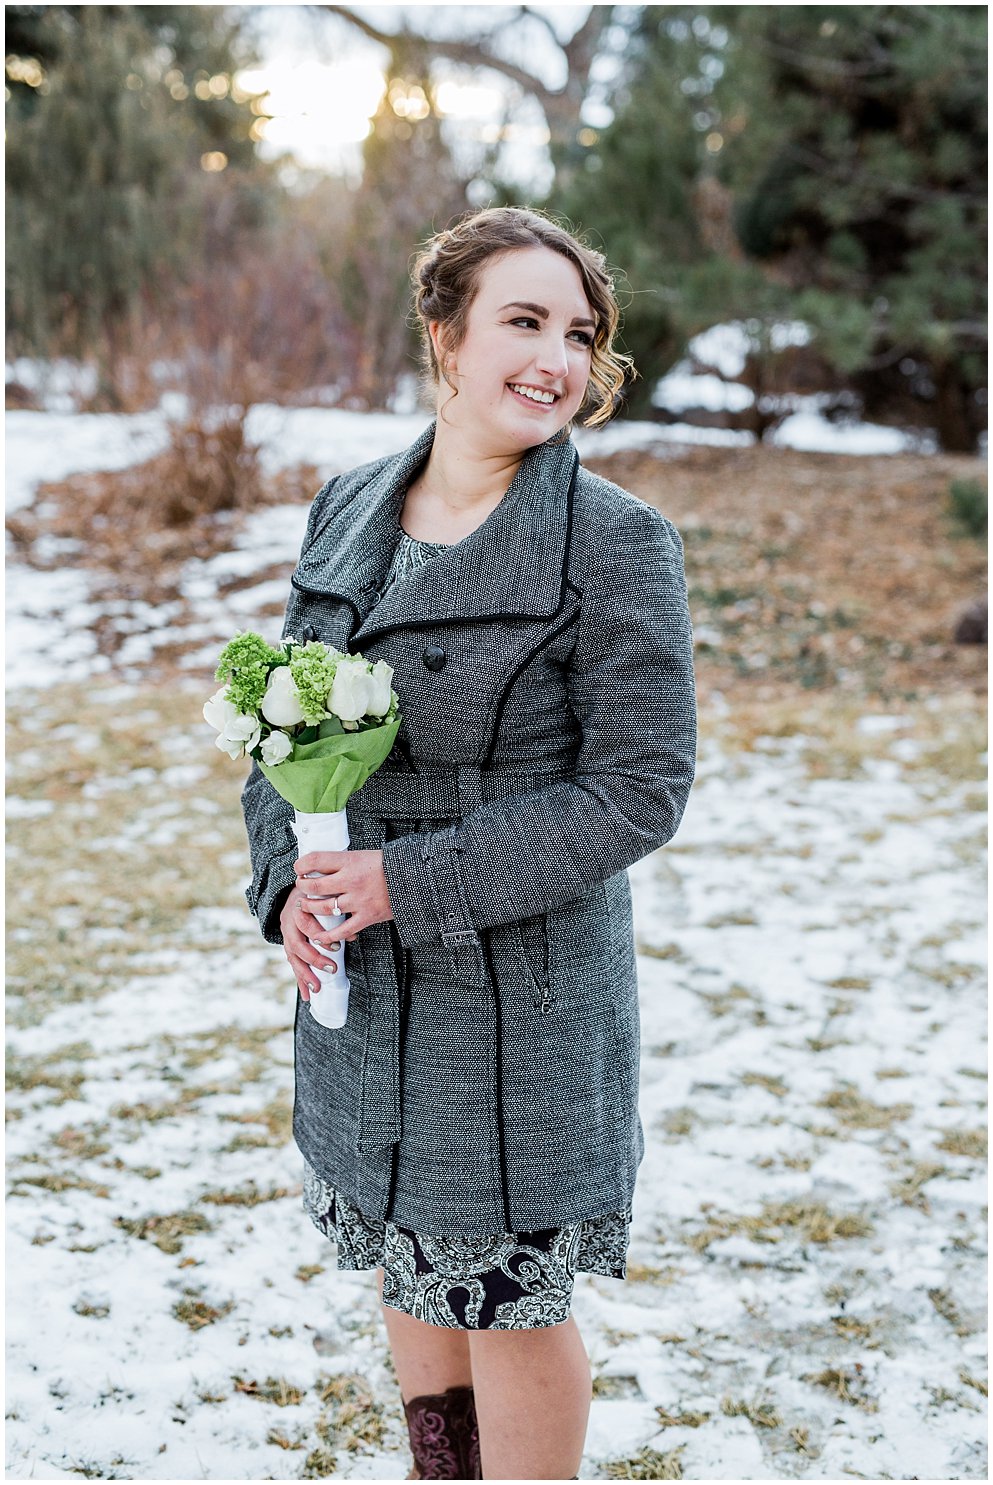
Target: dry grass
(810, 570)
(273, 1390)
(351, 1418)
(166, 1230)
(847, 1385)
(759, 1412)
(647, 1464)
(909, 1189)
(809, 1221)
(681, 1420)
(135, 544)
(855, 1111)
(109, 774)
(969, 1142)
(194, 1311)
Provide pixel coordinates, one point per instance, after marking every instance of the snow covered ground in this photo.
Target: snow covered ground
(692, 385)
(50, 614)
(806, 1283)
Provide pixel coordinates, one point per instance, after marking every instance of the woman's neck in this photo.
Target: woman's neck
(462, 476)
(458, 487)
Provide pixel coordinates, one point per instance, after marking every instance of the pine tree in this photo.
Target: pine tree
(123, 119)
(822, 162)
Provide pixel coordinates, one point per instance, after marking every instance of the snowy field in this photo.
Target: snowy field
(806, 1291)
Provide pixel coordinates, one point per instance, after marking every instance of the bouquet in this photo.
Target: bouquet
(318, 722)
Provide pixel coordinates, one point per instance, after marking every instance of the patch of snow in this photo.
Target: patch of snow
(42, 447)
(331, 438)
(60, 385)
(27, 809)
(682, 389)
(811, 432)
(724, 347)
(789, 333)
(874, 723)
(620, 437)
(727, 347)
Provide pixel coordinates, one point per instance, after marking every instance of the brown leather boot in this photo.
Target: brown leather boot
(444, 1435)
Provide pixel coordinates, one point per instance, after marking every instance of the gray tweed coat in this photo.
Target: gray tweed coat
(487, 1077)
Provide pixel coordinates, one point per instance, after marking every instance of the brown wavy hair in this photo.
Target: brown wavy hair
(445, 277)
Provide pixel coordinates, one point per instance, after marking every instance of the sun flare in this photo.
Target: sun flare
(313, 108)
(317, 110)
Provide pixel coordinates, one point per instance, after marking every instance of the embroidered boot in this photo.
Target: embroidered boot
(444, 1435)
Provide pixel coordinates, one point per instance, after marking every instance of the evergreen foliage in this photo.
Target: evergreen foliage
(115, 114)
(826, 163)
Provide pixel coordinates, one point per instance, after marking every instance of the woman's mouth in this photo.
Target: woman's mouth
(534, 396)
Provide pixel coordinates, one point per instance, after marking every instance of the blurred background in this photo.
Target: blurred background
(210, 212)
(243, 186)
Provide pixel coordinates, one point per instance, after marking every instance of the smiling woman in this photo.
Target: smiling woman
(472, 1131)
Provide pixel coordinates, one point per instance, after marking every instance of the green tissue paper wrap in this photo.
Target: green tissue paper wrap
(321, 776)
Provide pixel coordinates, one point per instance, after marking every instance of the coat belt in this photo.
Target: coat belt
(447, 794)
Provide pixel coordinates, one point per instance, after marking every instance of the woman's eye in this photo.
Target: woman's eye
(582, 336)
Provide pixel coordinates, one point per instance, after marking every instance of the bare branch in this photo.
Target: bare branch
(467, 53)
(561, 106)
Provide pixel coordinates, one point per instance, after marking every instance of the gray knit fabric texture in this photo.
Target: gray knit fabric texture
(544, 666)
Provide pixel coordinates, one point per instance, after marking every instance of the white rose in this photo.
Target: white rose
(381, 693)
(281, 703)
(218, 709)
(240, 735)
(276, 747)
(352, 690)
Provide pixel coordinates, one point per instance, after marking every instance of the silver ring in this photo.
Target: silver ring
(334, 907)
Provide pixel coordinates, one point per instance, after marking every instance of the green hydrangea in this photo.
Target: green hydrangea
(312, 667)
(245, 663)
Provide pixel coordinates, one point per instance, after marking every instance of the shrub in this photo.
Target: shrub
(968, 502)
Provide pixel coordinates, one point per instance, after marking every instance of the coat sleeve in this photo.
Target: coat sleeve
(268, 817)
(631, 687)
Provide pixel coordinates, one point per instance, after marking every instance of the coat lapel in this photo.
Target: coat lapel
(513, 565)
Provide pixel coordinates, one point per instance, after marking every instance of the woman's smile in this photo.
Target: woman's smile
(540, 397)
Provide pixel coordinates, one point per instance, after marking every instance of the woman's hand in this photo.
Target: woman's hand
(357, 880)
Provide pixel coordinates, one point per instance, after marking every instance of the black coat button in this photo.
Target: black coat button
(434, 657)
(309, 634)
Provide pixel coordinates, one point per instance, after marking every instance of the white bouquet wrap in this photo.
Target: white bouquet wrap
(329, 832)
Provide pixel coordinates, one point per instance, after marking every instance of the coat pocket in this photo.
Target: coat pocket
(533, 935)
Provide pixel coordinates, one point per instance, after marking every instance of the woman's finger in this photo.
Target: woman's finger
(323, 862)
(310, 927)
(299, 946)
(321, 886)
(353, 926)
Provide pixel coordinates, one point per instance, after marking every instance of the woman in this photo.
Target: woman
(473, 1131)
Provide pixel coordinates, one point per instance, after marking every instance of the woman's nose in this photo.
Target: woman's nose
(552, 358)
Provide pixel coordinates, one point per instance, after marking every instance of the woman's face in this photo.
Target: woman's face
(523, 367)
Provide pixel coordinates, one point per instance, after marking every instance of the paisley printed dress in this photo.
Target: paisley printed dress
(496, 1281)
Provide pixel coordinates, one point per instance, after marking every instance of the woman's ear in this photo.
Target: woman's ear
(436, 330)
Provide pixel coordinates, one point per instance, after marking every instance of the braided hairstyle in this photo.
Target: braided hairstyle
(445, 278)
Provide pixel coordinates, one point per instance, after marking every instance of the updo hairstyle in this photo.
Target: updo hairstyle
(445, 277)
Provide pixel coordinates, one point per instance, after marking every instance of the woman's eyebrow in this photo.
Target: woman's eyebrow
(541, 312)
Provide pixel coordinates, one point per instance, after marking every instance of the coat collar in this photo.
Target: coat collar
(514, 565)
